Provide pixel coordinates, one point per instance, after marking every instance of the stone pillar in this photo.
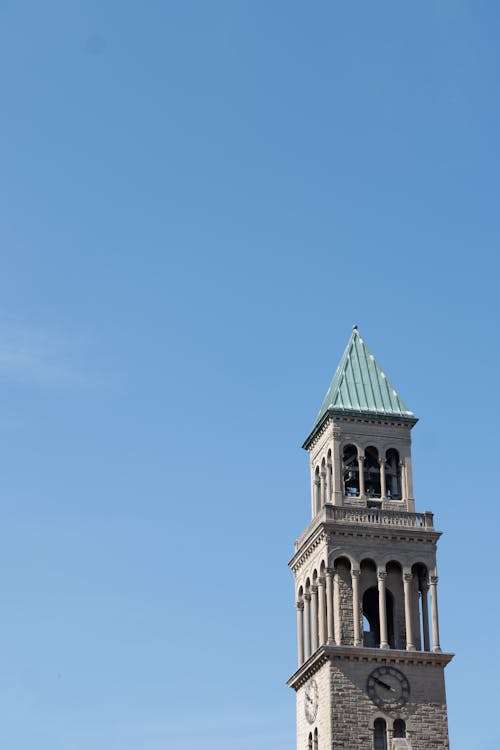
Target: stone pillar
(336, 599)
(425, 616)
(329, 483)
(383, 486)
(355, 574)
(361, 472)
(329, 606)
(382, 609)
(407, 583)
(321, 611)
(314, 618)
(307, 626)
(338, 484)
(408, 484)
(322, 486)
(434, 609)
(300, 631)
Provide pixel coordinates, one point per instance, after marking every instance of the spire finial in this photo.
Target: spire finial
(355, 327)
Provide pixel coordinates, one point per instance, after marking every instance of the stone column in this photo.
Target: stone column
(355, 574)
(425, 616)
(322, 485)
(329, 483)
(407, 583)
(382, 609)
(300, 631)
(434, 609)
(321, 611)
(336, 599)
(383, 487)
(408, 483)
(314, 618)
(329, 606)
(361, 472)
(307, 626)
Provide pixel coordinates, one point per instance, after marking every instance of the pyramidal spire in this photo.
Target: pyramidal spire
(360, 386)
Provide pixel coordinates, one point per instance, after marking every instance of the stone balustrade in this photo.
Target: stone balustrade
(379, 517)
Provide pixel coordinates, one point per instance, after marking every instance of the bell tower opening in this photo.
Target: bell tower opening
(350, 471)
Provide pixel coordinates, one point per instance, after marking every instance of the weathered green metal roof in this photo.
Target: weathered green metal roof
(361, 386)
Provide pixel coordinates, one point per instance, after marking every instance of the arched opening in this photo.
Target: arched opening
(393, 475)
(323, 482)
(329, 477)
(315, 740)
(379, 735)
(399, 729)
(389, 605)
(317, 491)
(310, 742)
(371, 621)
(420, 577)
(372, 473)
(371, 618)
(350, 471)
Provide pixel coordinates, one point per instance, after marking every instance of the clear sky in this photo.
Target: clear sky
(198, 201)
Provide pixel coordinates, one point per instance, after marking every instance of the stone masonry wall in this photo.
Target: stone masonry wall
(323, 721)
(353, 712)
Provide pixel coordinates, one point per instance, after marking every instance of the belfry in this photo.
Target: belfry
(370, 666)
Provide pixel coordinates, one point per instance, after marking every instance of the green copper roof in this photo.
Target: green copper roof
(360, 385)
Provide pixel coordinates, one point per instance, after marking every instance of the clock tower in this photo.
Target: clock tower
(370, 666)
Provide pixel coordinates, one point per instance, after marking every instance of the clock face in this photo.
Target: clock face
(388, 688)
(311, 700)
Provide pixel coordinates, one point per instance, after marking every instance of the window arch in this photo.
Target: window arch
(315, 740)
(310, 742)
(379, 735)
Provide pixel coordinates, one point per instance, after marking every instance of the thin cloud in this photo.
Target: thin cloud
(34, 355)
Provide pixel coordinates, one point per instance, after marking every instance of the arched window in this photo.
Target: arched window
(379, 735)
(350, 471)
(315, 742)
(399, 728)
(393, 475)
(323, 483)
(310, 742)
(317, 491)
(372, 472)
(329, 477)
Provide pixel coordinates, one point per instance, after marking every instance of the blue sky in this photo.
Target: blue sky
(198, 201)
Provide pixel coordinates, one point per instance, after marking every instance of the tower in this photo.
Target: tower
(370, 667)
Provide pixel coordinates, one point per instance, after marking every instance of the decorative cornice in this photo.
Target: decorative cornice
(331, 529)
(367, 655)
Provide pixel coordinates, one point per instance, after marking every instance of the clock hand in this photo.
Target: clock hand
(384, 684)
